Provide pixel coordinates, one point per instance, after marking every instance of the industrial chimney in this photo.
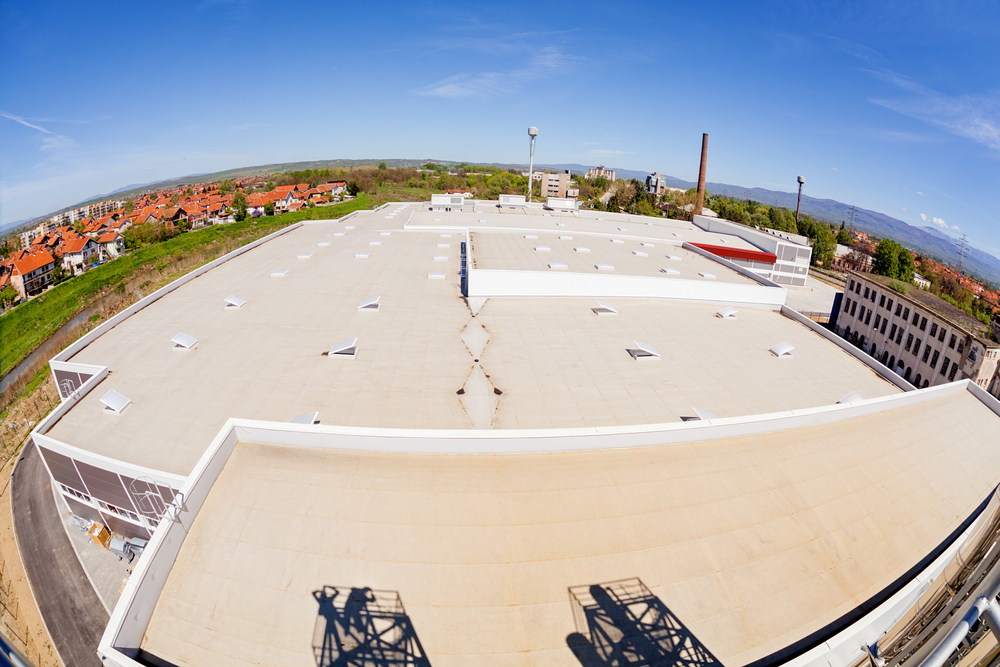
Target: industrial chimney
(701, 175)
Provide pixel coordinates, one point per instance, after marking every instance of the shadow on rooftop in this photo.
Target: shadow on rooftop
(359, 627)
(622, 623)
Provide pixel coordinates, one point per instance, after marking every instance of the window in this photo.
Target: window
(952, 341)
(944, 365)
(961, 346)
(927, 353)
(878, 320)
(850, 287)
(934, 359)
(909, 342)
(916, 348)
(899, 307)
(76, 494)
(951, 375)
(906, 314)
(873, 296)
(862, 313)
(866, 292)
(916, 383)
(847, 305)
(941, 334)
(881, 301)
(854, 307)
(119, 511)
(868, 317)
(892, 332)
(884, 322)
(899, 337)
(973, 354)
(888, 306)
(857, 288)
(923, 322)
(933, 330)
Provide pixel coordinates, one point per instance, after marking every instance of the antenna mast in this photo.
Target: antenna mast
(963, 249)
(852, 222)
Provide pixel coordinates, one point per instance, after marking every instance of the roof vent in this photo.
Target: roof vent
(444, 245)
(581, 248)
(482, 219)
(853, 397)
(338, 233)
(234, 302)
(621, 229)
(311, 418)
(670, 272)
(115, 403)
(604, 309)
(674, 258)
(558, 265)
(640, 253)
(279, 274)
(183, 342)
(643, 352)
(647, 244)
(706, 275)
(385, 233)
(531, 236)
(323, 244)
(434, 275)
(362, 255)
(370, 304)
(782, 350)
(704, 414)
(344, 349)
(604, 267)
(446, 236)
(727, 313)
(350, 226)
(565, 238)
(617, 241)
(374, 243)
(306, 256)
(440, 258)
(542, 248)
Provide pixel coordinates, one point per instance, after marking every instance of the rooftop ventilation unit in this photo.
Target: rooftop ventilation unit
(647, 244)
(727, 313)
(434, 275)
(565, 238)
(311, 418)
(853, 397)
(674, 258)
(440, 258)
(234, 302)
(345, 349)
(115, 403)
(183, 342)
(279, 274)
(643, 352)
(581, 248)
(640, 253)
(362, 255)
(706, 275)
(617, 241)
(704, 414)
(670, 272)
(604, 267)
(604, 309)
(782, 350)
(306, 256)
(374, 243)
(370, 304)
(323, 243)
(558, 265)
(542, 248)
(531, 236)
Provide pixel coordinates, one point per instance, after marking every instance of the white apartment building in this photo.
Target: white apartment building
(598, 172)
(556, 185)
(921, 337)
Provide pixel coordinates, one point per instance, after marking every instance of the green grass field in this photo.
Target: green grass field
(27, 326)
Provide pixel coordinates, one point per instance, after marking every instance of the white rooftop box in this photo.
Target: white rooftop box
(560, 204)
(512, 200)
(447, 200)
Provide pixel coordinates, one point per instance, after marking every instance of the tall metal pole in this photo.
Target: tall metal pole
(532, 132)
(701, 175)
(799, 205)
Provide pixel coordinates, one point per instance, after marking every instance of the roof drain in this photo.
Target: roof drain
(479, 398)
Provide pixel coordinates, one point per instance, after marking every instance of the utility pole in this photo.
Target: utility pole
(852, 222)
(799, 205)
(963, 249)
(532, 132)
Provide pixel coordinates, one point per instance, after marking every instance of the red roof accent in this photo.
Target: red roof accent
(25, 262)
(738, 253)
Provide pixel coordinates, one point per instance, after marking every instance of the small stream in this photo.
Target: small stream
(50, 347)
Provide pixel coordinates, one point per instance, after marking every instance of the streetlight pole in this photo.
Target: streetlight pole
(532, 132)
(799, 205)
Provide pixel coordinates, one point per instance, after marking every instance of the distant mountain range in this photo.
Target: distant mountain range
(924, 240)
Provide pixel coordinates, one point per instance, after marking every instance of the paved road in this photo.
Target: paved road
(73, 613)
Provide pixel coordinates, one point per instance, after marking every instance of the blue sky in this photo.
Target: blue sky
(890, 106)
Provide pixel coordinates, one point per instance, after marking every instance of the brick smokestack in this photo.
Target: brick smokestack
(700, 204)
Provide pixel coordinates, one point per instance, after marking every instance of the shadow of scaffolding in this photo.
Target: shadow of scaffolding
(621, 623)
(359, 627)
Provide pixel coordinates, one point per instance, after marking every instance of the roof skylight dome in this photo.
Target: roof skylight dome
(184, 342)
(115, 403)
(371, 304)
(727, 313)
(643, 352)
(604, 309)
(233, 302)
(345, 349)
(782, 350)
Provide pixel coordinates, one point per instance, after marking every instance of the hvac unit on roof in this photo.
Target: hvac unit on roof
(853, 397)
(531, 236)
(310, 418)
(727, 313)
(345, 349)
(565, 238)
(621, 229)
(643, 352)
(581, 248)
(674, 258)
(234, 302)
(617, 241)
(370, 304)
(183, 342)
(647, 244)
(604, 309)
(115, 403)
(782, 350)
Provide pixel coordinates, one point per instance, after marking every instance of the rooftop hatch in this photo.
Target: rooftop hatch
(643, 352)
(115, 403)
(727, 313)
(782, 350)
(370, 304)
(604, 309)
(234, 302)
(345, 349)
(183, 342)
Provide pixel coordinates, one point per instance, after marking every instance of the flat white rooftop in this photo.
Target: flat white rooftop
(750, 543)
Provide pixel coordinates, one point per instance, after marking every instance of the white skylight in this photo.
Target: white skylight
(600, 218)
(350, 226)
(234, 302)
(676, 234)
(670, 272)
(279, 274)
(531, 236)
(558, 265)
(853, 397)
(183, 342)
(440, 258)
(346, 349)
(311, 418)
(444, 245)
(323, 243)
(644, 352)
(581, 248)
(604, 309)
(621, 229)
(647, 244)
(437, 219)
(542, 248)
(385, 233)
(362, 255)
(446, 236)
(305, 256)
(704, 414)
(565, 238)
(617, 241)
(434, 275)
(727, 313)
(706, 275)
(674, 258)
(338, 233)
(370, 304)
(604, 267)
(782, 350)
(389, 217)
(115, 403)
(482, 219)
(640, 253)
(374, 243)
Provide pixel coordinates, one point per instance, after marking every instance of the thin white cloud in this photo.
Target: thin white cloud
(483, 85)
(50, 141)
(939, 222)
(918, 192)
(18, 119)
(975, 117)
(904, 210)
(831, 169)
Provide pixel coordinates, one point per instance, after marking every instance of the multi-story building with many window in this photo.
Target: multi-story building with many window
(921, 337)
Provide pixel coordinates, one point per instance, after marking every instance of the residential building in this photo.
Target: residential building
(921, 337)
(30, 271)
(656, 184)
(112, 245)
(601, 172)
(555, 185)
(77, 253)
(848, 258)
